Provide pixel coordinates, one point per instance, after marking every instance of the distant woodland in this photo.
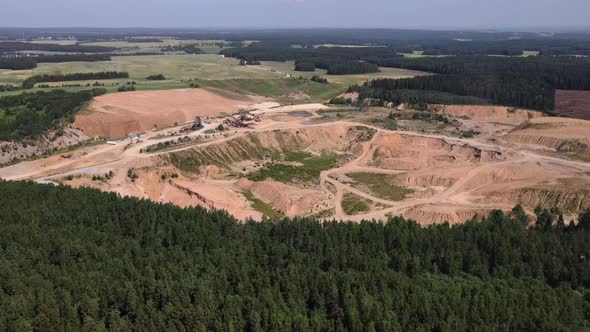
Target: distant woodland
(527, 82)
(519, 82)
(87, 260)
(27, 115)
(30, 82)
(30, 62)
(16, 46)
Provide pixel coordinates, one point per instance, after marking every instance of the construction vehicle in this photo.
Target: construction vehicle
(235, 123)
(197, 124)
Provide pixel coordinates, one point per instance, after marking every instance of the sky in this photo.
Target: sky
(297, 13)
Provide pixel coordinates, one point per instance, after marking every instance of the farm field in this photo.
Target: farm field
(272, 79)
(573, 103)
(294, 86)
(174, 67)
(155, 47)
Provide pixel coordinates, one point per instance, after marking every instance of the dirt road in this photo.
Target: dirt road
(461, 197)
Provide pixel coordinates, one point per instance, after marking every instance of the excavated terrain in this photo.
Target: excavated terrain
(290, 165)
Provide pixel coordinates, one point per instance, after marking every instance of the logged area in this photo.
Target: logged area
(572, 103)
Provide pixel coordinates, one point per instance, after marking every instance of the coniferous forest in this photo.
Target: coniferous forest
(526, 82)
(80, 259)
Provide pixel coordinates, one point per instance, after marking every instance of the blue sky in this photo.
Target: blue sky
(296, 13)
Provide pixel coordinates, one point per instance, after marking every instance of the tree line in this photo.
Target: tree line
(190, 49)
(20, 63)
(27, 115)
(30, 82)
(29, 62)
(335, 60)
(384, 96)
(80, 259)
(519, 82)
(15, 46)
(8, 87)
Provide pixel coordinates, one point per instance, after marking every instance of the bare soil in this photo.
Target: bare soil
(118, 114)
(451, 179)
(573, 103)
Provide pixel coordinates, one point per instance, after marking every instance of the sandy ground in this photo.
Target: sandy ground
(497, 114)
(565, 135)
(452, 178)
(118, 114)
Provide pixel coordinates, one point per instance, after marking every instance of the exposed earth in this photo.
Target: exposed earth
(316, 160)
(573, 103)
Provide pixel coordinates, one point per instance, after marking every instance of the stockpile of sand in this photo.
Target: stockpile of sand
(118, 114)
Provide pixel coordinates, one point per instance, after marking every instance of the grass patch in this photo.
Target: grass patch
(353, 204)
(174, 67)
(278, 88)
(324, 214)
(310, 169)
(469, 134)
(260, 206)
(380, 185)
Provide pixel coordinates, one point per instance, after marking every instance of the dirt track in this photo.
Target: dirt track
(454, 178)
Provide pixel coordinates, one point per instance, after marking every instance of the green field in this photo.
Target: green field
(310, 169)
(260, 206)
(278, 88)
(271, 79)
(290, 80)
(288, 68)
(353, 204)
(380, 185)
(174, 67)
(151, 47)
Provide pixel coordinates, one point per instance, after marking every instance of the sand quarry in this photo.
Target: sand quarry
(521, 157)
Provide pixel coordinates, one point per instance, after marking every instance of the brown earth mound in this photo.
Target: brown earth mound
(118, 114)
